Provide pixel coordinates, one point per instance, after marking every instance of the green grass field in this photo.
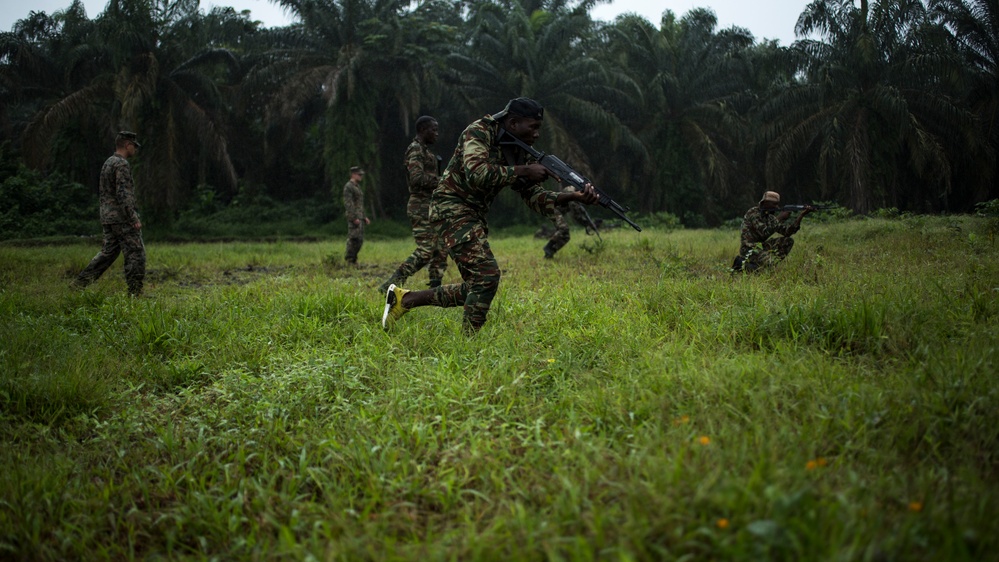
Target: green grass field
(627, 401)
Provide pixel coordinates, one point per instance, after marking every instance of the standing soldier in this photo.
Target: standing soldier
(119, 219)
(757, 250)
(479, 169)
(422, 174)
(353, 201)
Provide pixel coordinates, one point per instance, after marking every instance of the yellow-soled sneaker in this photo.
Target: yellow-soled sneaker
(393, 305)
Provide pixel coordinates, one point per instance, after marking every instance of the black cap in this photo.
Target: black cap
(521, 107)
(129, 136)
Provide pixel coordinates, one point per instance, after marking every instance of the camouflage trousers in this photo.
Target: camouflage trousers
(355, 238)
(118, 239)
(468, 246)
(429, 251)
(561, 236)
(768, 253)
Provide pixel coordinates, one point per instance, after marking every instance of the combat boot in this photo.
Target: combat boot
(549, 251)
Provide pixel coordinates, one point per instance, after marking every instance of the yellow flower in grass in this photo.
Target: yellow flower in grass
(916, 506)
(722, 523)
(704, 440)
(551, 360)
(681, 420)
(813, 464)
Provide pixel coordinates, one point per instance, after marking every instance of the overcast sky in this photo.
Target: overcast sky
(766, 20)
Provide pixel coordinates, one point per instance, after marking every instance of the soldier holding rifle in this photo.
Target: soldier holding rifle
(758, 250)
(480, 168)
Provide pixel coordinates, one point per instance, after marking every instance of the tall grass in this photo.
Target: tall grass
(630, 400)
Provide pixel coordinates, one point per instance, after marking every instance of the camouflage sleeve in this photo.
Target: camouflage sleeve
(787, 228)
(353, 202)
(421, 169)
(479, 168)
(125, 193)
(537, 198)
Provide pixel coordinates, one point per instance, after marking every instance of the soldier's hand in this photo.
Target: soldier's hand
(534, 173)
(588, 196)
(807, 209)
(137, 225)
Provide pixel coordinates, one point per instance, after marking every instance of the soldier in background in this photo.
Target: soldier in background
(757, 249)
(353, 202)
(120, 222)
(561, 236)
(422, 174)
(479, 169)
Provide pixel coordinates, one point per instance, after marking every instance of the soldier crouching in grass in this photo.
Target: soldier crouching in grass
(479, 169)
(120, 223)
(757, 249)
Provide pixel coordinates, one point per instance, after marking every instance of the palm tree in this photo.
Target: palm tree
(352, 72)
(148, 78)
(42, 60)
(974, 33)
(693, 81)
(540, 50)
(869, 119)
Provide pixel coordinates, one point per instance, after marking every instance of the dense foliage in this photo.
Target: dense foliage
(881, 104)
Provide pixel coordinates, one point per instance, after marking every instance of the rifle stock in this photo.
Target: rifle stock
(564, 172)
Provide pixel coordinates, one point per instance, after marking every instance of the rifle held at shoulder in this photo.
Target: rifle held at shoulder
(564, 172)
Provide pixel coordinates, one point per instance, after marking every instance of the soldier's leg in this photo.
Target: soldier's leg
(782, 247)
(135, 258)
(560, 238)
(355, 237)
(110, 248)
(481, 275)
(438, 262)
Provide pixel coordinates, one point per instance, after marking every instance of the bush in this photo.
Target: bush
(33, 205)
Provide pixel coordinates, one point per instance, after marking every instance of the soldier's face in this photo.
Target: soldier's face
(526, 129)
(431, 133)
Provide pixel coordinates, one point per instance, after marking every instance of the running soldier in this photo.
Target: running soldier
(422, 174)
(561, 236)
(479, 169)
(120, 222)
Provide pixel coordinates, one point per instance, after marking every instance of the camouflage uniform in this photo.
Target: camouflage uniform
(757, 249)
(477, 172)
(118, 219)
(353, 201)
(561, 236)
(422, 177)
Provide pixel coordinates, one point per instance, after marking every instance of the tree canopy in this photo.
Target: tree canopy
(880, 104)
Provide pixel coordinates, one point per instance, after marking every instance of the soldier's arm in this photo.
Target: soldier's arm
(125, 193)
(419, 177)
(480, 169)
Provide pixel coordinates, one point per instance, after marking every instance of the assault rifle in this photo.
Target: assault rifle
(793, 208)
(564, 172)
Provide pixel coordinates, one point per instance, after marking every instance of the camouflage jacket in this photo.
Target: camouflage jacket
(421, 170)
(757, 226)
(117, 192)
(353, 201)
(476, 174)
